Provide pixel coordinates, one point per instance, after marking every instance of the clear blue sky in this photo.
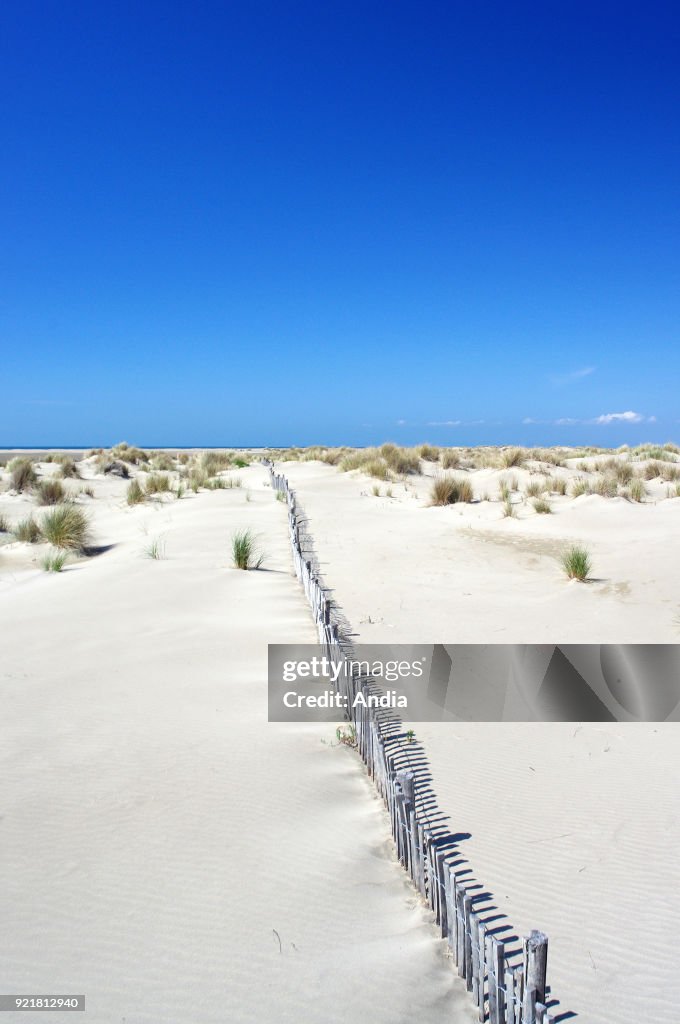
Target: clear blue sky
(286, 223)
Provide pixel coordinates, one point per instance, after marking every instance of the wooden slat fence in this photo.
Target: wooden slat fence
(506, 983)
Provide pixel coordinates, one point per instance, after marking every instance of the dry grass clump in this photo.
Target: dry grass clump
(542, 506)
(647, 451)
(197, 478)
(576, 563)
(68, 470)
(66, 526)
(548, 455)
(333, 456)
(157, 483)
(636, 491)
(663, 470)
(605, 486)
(379, 463)
(580, 486)
(513, 457)
(353, 460)
(377, 468)
(27, 531)
(621, 470)
(556, 485)
(4, 524)
(428, 453)
(450, 458)
(135, 494)
(113, 467)
(509, 510)
(535, 488)
(448, 490)
(402, 461)
(162, 462)
(243, 550)
(212, 463)
(22, 474)
(223, 483)
(50, 492)
(127, 453)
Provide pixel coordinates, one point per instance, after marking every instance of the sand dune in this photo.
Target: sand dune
(575, 829)
(164, 850)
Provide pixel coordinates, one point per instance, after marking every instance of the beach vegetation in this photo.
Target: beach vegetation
(50, 492)
(576, 563)
(66, 526)
(28, 531)
(447, 489)
(243, 550)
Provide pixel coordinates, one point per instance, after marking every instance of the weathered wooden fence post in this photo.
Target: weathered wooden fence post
(535, 968)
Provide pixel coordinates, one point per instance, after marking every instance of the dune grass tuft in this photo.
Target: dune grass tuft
(135, 494)
(243, 550)
(50, 492)
(448, 490)
(637, 490)
(576, 563)
(4, 524)
(54, 561)
(428, 453)
(513, 457)
(68, 469)
(156, 549)
(542, 506)
(27, 531)
(66, 526)
(450, 458)
(157, 483)
(22, 474)
(535, 488)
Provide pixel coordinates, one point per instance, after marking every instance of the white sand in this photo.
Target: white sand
(155, 831)
(575, 830)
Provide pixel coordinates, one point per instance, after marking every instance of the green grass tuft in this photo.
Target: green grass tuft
(55, 561)
(156, 549)
(157, 483)
(243, 551)
(576, 563)
(135, 494)
(542, 506)
(66, 526)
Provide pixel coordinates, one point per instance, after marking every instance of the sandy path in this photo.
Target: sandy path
(158, 836)
(574, 829)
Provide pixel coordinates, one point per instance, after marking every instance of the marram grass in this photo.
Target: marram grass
(243, 551)
(66, 526)
(576, 563)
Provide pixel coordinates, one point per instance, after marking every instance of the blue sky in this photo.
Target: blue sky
(341, 223)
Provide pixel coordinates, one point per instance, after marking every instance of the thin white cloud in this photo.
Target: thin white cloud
(620, 417)
(605, 419)
(401, 423)
(444, 423)
(565, 378)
